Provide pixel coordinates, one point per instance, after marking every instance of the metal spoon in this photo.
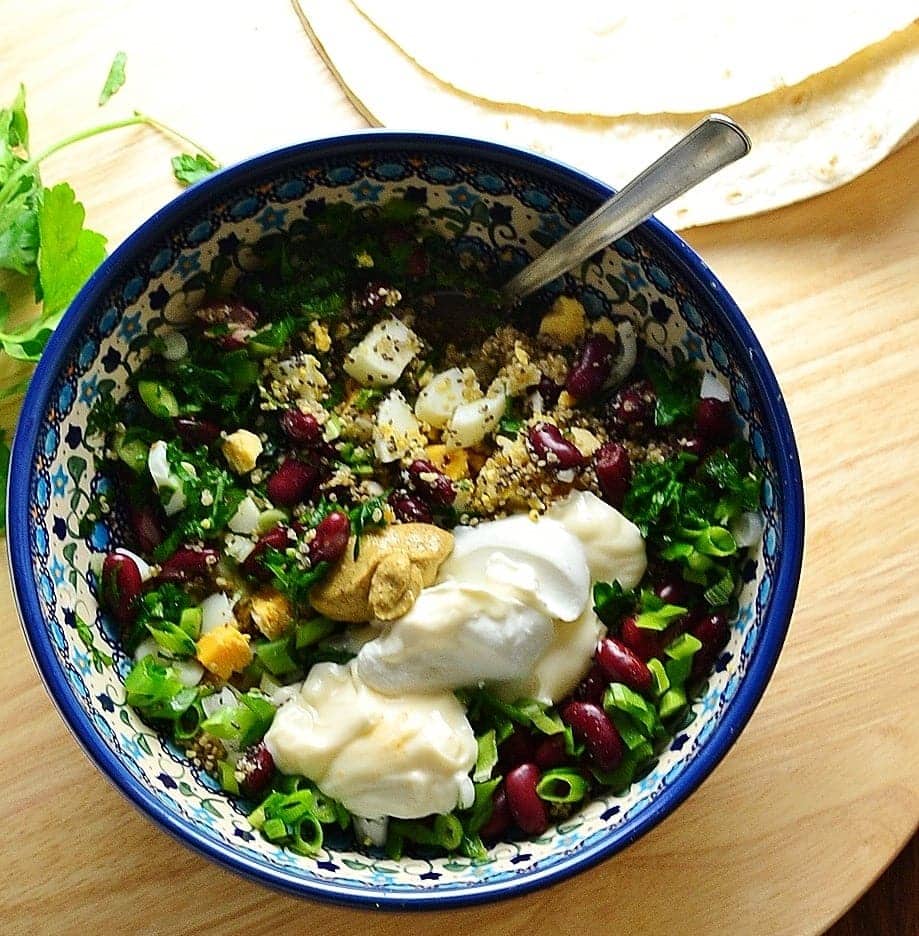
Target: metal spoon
(711, 145)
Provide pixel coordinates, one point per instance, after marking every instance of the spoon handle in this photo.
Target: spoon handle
(712, 144)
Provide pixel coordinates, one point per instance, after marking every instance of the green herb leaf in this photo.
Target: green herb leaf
(68, 253)
(487, 757)
(612, 602)
(676, 390)
(115, 79)
(189, 169)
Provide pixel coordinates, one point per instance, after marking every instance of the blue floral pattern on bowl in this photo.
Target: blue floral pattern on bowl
(501, 203)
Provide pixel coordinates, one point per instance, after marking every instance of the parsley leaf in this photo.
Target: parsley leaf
(68, 253)
(115, 79)
(676, 390)
(189, 169)
(612, 602)
(292, 578)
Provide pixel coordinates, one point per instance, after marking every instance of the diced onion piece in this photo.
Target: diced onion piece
(713, 389)
(382, 354)
(214, 703)
(165, 481)
(246, 518)
(396, 432)
(238, 547)
(747, 528)
(440, 397)
(623, 364)
(371, 831)
(216, 610)
(175, 346)
(471, 422)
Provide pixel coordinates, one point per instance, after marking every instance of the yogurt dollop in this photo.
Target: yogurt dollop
(405, 756)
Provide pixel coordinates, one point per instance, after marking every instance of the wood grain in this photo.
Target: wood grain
(819, 793)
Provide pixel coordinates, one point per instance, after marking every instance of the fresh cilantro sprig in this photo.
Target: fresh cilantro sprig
(42, 233)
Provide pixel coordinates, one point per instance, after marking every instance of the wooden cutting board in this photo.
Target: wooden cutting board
(818, 794)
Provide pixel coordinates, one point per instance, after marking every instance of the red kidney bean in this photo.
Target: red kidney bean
(621, 665)
(431, 483)
(500, 817)
(409, 509)
(517, 748)
(275, 538)
(550, 446)
(145, 526)
(673, 591)
(642, 642)
(195, 431)
(592, 367)
(592, 725)
(120, 586)
(713, 632)
(331, 539)
(188, 562)
(291, 482)
(257, 766)
(231, 342)
(713, 419)
(528, 810)
(222, 312)
(633, 406)
(614, 472)
(592, 687)
(551, 752)
(301, 427)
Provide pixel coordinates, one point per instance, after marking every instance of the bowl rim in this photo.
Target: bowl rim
(777, 427)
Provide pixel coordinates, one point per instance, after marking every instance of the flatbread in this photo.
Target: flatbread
(650, 57)
(807, 139)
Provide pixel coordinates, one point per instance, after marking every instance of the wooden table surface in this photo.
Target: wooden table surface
(819, 793)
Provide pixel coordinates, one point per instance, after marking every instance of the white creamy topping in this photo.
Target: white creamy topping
(511, 608)
(455, 635)
(406, 756)
(612, 544)
(540, 559)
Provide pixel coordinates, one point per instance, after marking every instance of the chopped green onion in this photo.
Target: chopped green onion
(275, 656)
(274, 830)
(312, 842)
(324, 807)
(562, 785)
(312, 631)
(656, 614)
(480, 811)
(720, 593)
(686, 645)
(133, 452)
(672, 702)
(244, 723)
(158, 398)
(157, 690)
(677, 550)
(227, 777)
(190, 621)
(661, 682)
(716, 541)
(269, 519)
(448, 832)
(487, 757)
(633, 736)
(621, 697)
(172, 638)
(472, 847)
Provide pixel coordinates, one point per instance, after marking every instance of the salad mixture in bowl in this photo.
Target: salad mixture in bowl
(428, 581)
(384, 604)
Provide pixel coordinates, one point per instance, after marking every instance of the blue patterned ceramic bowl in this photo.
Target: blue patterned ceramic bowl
(497, 200)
